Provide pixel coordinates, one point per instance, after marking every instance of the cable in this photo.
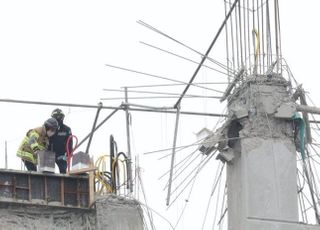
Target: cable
(214, 185)
(103, 183)
(301, 201)
(70, 151)
(187, 201)
(223, 208)
(218, 197)
(145, 199)
(199, 168)
(157, 213)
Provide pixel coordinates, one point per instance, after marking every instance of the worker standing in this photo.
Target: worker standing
(58, 142)
(35, 140)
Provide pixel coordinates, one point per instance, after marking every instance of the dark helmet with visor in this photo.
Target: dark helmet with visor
(58, 115)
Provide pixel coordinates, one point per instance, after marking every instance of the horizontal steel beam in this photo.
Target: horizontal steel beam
(122, 107)
(308, 109)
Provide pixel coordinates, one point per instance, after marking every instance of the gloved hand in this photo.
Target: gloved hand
(36, 151)
(62, 158)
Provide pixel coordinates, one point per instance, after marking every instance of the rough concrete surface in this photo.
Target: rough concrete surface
(262, 184)
(260, 224)
(38, 217)
(111, 213)
(118, 213)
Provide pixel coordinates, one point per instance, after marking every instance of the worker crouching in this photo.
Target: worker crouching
(35, 140)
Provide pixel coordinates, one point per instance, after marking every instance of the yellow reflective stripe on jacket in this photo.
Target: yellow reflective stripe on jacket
(35, 139)
(27, 156)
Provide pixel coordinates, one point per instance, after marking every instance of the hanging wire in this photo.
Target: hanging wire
(145, 200)
(187, 201)
(223, 207)
(158, 214)
(193, 178)
(191, 172)
(218, 197)
(301, 200)
(216, 180)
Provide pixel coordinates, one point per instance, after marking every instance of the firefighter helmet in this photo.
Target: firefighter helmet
(51, 123)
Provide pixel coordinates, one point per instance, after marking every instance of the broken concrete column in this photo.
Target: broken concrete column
(118, 213)
(262, 182)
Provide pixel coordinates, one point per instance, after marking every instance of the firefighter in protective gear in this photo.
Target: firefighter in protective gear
(36, 139)
(58, 141)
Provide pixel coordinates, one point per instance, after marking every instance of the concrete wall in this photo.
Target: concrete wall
(111, 213)
(261, 224)
(21, 217)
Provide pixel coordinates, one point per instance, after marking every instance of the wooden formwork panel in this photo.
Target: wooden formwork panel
(44, 189)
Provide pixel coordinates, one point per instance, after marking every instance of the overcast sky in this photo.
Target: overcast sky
(56, 51)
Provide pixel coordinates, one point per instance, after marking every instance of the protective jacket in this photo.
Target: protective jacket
(35, 139)
(59, 140)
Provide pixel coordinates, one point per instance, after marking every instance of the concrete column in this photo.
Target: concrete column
(262, 183)
(118, 213)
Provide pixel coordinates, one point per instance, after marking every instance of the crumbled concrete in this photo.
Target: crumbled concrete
(262, 175)
(37, 217)
(118, 213)
(111, 213)
(286, 110)
(262, 97)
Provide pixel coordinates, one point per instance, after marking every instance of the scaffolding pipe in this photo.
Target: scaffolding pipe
(6, 155)
(308, 109)
(93, 127)
(206, 54)
(109, 107)
(173, 155)
(96, 128)
(129, 186)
